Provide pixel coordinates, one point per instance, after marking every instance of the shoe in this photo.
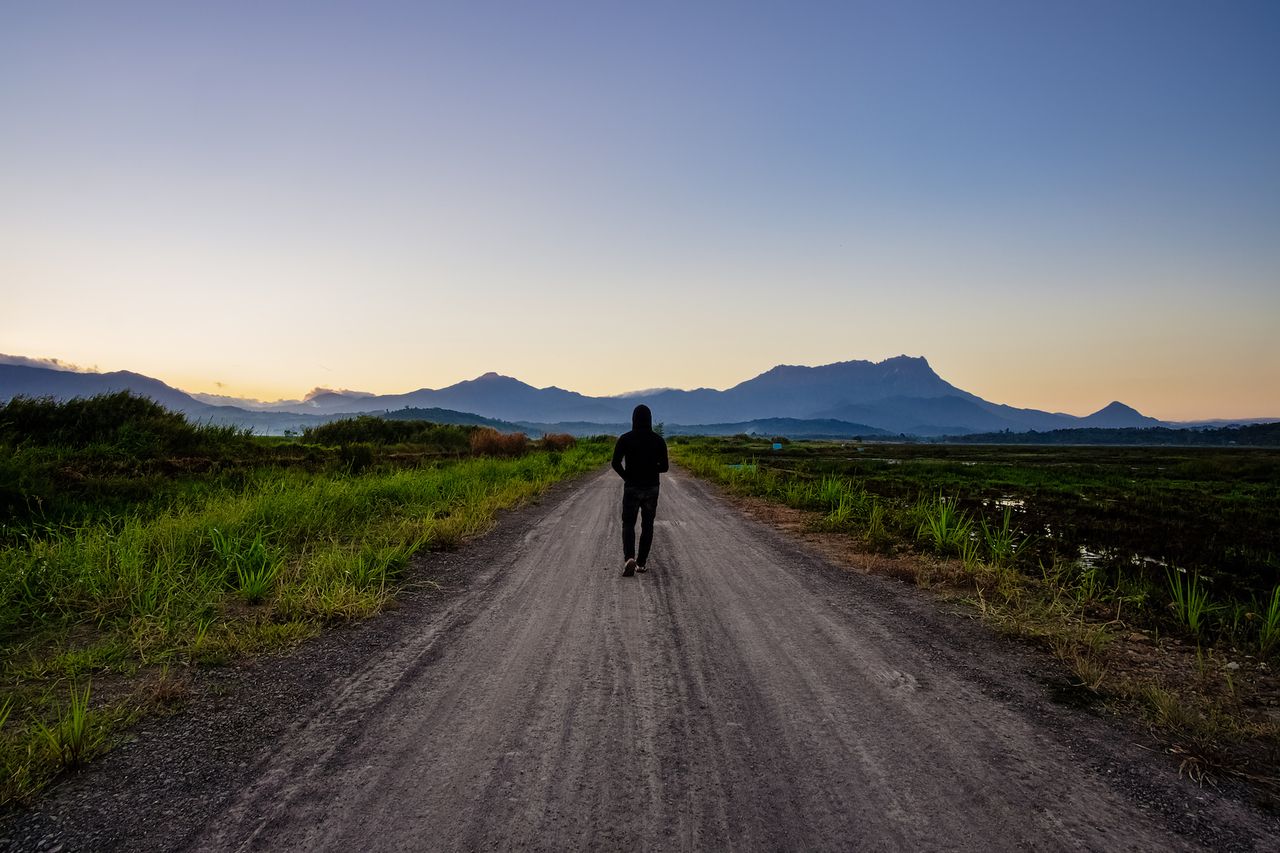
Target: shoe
(629, 568)
(640, 568)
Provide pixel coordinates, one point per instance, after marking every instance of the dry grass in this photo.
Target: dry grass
(490, 442)
(557, 441)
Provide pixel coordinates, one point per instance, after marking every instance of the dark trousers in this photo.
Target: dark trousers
(642, 500)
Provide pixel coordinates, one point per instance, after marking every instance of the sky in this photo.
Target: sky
(1057, 203)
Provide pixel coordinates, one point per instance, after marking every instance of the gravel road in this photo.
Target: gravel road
(741, 695)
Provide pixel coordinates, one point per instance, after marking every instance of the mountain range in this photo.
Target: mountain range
(895, 396)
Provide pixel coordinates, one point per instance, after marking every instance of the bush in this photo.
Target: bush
(369, 429)
(489, 442)
(124, 422)
(557, 441)
(356, 457)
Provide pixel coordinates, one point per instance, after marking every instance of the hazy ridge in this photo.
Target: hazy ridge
(900, 395)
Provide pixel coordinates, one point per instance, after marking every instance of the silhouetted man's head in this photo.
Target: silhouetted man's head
(642, 418)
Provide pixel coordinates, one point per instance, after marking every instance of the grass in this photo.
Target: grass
(1002, 541)
(945, 527)
(251, 567)
(73, 736)
(1191, 606)
(1098, 525)
(878, 535)
(1269, 625)
(236, 548)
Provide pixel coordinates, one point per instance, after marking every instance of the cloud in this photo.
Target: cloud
(346, 392)
(47, 363)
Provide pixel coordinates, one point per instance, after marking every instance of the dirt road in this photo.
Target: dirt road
(742, 695)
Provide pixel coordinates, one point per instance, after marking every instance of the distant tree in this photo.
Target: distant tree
(659, 428)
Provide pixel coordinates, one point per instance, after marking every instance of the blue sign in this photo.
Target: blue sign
(777, 445)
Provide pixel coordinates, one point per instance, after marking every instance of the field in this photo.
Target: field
(1153, 573)
(135, 546)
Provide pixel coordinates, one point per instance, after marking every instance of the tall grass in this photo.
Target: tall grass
(1269, 624)
(1190, 605)
(72, 737)
(307, 547)
(292, 529)
(943, 525)
(1002, 541)
(131, 537)
(878, 535)
(252, 568)
(831, 490)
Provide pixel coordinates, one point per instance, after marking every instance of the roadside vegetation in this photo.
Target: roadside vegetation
(136, 546)
(1153, 574)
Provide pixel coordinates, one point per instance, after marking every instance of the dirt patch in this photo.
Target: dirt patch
(838, 548)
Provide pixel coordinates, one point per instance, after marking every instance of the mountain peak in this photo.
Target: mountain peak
(904, 360)
(1117, 415)
(1115, 407)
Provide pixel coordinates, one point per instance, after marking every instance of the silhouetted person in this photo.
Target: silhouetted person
(639, 457)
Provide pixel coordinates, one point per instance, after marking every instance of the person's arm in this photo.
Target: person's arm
(618, 453)
(663, 464)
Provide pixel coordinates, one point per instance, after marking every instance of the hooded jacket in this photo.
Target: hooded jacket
(640, 455)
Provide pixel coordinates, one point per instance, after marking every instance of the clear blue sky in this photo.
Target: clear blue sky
(1057, 203)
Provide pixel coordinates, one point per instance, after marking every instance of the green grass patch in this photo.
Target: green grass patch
(236, 548)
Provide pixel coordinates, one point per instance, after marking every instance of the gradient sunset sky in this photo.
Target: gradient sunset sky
(1059, 204)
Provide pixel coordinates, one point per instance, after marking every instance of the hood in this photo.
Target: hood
(642, 418)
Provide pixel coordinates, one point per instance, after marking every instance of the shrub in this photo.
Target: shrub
(489, 442)
(557, 441)
(356, 457)
(123, 421)
(368, 429)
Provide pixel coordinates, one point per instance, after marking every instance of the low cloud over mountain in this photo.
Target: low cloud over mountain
(49, 363)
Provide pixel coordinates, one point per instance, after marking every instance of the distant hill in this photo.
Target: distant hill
(894, 396)
(1251, 435)
(27, 381)
(1118, 416)
(897, 395)
(31, 381)
(789, 427)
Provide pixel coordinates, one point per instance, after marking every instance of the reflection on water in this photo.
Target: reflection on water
(1006, 502)
(1090, 559)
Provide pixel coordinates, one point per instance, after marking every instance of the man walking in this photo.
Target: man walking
(639, 457)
